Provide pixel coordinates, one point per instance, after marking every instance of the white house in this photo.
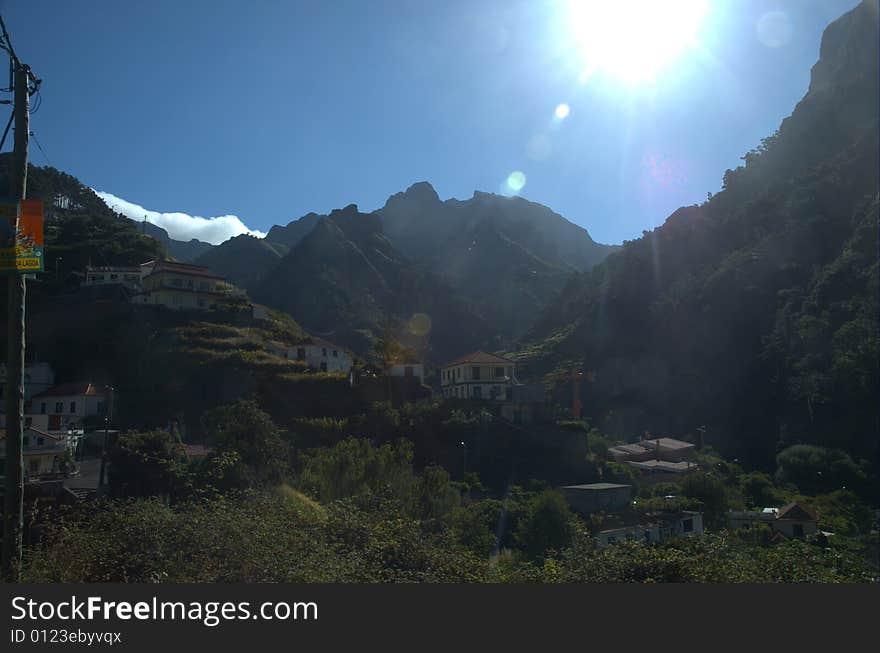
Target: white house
(478, 375)
(128, 276)
(317, 353)
(655, 528)
(43, 452)
(66, 405)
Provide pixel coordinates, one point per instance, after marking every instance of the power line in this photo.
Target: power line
(6, 131)
(45, 156)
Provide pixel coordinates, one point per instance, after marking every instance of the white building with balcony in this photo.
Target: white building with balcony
(480, 376)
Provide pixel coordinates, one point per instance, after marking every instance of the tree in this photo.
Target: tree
(709, 491)
(147, 463)
(816, 469)
(546, 525)
(249, 431)
(354, 467)
(758, 489)
(388, 350)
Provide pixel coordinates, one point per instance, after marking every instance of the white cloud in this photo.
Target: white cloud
(181, 226)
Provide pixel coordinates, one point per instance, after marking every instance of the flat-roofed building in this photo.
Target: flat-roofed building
(593, 497)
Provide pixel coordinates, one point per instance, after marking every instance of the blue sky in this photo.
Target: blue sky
(260, 111)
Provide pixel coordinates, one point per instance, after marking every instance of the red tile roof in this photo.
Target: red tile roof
(480, 357)
(82, 388)
(797, 510)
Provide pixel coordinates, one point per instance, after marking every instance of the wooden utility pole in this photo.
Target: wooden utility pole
(13, 522)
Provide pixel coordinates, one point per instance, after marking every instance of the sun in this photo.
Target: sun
(633, 39)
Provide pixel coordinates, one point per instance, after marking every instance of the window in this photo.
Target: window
(114, 276)
(499, 372)
(323, 366)
(687, 526)
(301, 353)
(797, 530)
(323, 351)
(34, 466)
(100, 408)
(43, 408)
(475, 373)
(335, 354)
(72, 407)
(508, 394)
(25, 441)
(458, 372)
(478, 392)
(40, 442)
(59, 407)
(509, 371)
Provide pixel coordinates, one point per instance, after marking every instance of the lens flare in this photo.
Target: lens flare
(562, 111)
(775, 29)
(516, 180)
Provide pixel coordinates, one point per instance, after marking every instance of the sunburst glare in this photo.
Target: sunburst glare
(633, 40)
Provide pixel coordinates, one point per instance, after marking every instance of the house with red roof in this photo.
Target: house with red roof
(68, 404)
(795, 520)
(480, 376)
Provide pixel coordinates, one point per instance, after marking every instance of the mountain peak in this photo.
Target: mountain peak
(419, 195)
(847, 44)
(422, 190)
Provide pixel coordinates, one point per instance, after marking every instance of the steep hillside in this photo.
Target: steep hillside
(244, 259)
(295, 231)
(507, 255)
(755, 313)
(345, 280)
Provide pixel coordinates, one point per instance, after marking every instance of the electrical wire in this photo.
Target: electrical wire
(6, 131)
(45, 156)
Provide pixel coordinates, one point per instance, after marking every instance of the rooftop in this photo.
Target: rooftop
(799, 511)
(81, 388)
(666, 443)
(595, 486)
(134, 269)
(663, 465)
(480, 357)
(628, 448)
(185, 269)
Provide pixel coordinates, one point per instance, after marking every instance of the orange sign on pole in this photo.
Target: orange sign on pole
(21, 237)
